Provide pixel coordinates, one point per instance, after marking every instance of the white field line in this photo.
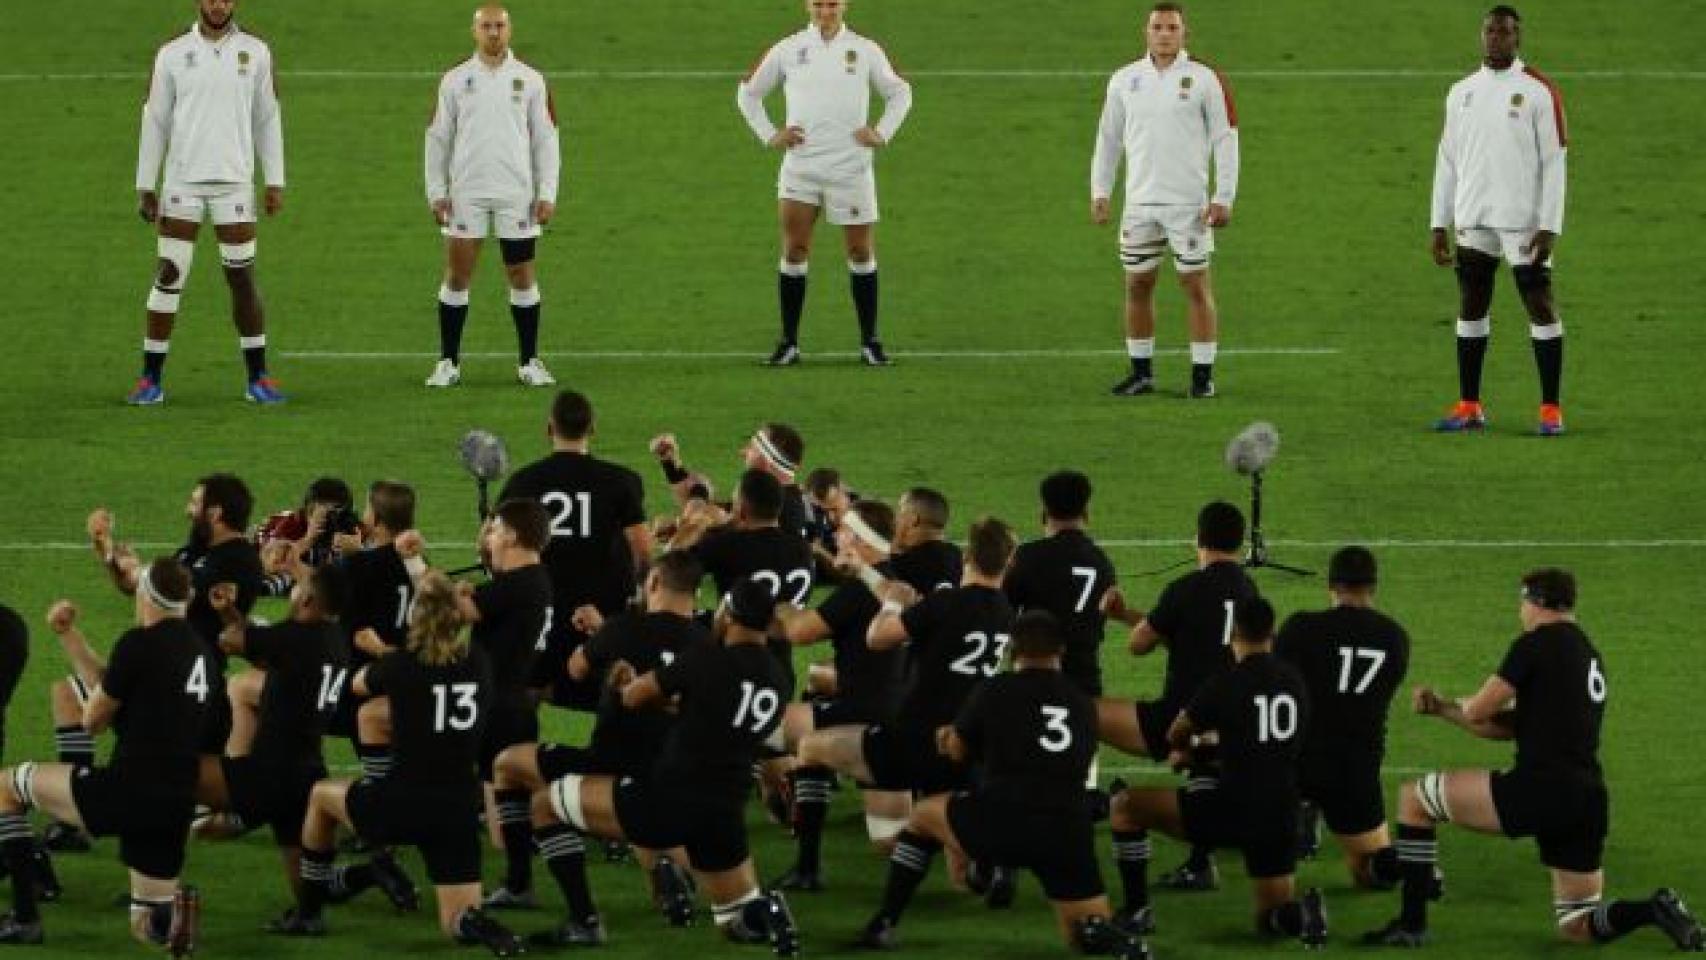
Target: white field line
(641, 355)
(948, 74)
(1159, 772)
(1674, 543)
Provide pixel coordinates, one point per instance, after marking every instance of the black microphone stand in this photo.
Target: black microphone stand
(1258, 555)
(485, 511)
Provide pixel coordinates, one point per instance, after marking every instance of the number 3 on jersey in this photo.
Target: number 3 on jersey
(1057, 736)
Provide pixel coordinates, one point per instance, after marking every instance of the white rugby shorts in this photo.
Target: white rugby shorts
(225, 203)
(846, 195)
(1510, 244)
(472, 219)
(1145, 229)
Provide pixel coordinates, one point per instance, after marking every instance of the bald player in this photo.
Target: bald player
(211, 108)
(492, 164)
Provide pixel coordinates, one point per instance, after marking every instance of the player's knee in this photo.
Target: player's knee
(861, 258)
(173, 270)
(796, 253)
(1429, 803)
(1532, 279)
(1140, 280)
(516, 252)
(63, 701)
(515, 767)
(1120, 813)
(237, 257)
(541, 809)
(883, 831)
(17, 787)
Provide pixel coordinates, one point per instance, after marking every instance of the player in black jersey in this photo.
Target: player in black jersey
(1259, 712)
(381, 578)
(153, 691)
(866, 683)
(1032, 734)
(1352, 658)
(775, 448)
(955, 640)
(217, 551)
(753, 545)
(623, 742)
(1549, 695)
(827, 499)
(14, 654)
(512, 615)
(280, 709)
(432, 700)
(729, 700)
(1193, 621)
(1066, 574)
(599, 540)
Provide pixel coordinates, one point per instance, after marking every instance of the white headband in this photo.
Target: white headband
(152, 593)
(876, 541)
(776, 458)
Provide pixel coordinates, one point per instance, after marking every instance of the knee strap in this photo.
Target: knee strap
(24, 784)
(237, 256)
(883, 829)
(1431, 790)
(176, 256)
(1569, 911)
(566, 801)
(516, 252)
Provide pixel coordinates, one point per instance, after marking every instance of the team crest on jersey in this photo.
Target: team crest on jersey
(242, 63)
(517, 85)
(1516, 105)
(852, 60)
(189, 59)
(468, 84)
(1184, 88)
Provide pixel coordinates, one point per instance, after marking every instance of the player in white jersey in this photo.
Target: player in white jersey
(826, 72)
(1499, 183)
(492, 165)
(211, 108)
(1168, 114)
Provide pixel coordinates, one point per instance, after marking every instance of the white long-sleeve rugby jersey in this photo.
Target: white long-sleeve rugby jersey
(211, 108)
(1501, 162)
(493, 135)
(828, 89)
(1167, 124)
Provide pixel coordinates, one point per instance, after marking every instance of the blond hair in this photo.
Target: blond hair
(435, 624)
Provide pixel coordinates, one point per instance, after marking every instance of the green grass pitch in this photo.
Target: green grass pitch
(665, 243)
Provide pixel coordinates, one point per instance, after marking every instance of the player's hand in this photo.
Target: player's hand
(222, 596)
(1427, 701)
(369, 642)
(100, 529)
(621, 674)
(899, 592)
(1179, 759)
(942, 734)
(148, 205)
(543, 211)
(1101, 211)
(409, 544)
(1217, 215)
(587, 619)
(665, 448)
(62, 617)
(1113, 604)
(1441, 249)
(1539, 249)
(441, 211)
(272, 201)
(869, 137)
(275, 556)
(788, 138)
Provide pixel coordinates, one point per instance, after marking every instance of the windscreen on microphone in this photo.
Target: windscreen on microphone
(1253, 448)
(483, 455)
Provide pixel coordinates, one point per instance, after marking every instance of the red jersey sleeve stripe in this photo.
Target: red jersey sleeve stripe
(1225, 92)
(1557, 103)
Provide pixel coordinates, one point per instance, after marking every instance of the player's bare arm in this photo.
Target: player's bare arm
(62, 620)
